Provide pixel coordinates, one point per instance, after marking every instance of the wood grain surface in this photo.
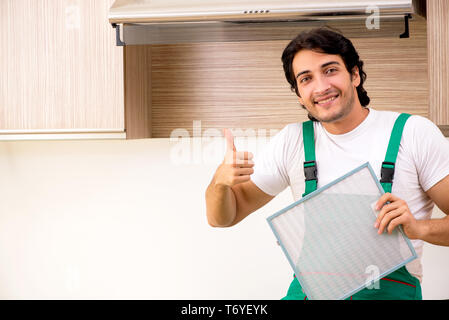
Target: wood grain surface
(60, 68)
(242, 85)
(438, 44)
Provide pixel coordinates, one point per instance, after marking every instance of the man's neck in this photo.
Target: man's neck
(348, 123)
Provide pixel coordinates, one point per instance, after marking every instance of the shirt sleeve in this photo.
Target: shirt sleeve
(430, 151)
(270, 173)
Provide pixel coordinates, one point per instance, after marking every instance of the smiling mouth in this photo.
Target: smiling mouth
(326, 101)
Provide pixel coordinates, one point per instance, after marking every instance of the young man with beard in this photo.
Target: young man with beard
(326, 73)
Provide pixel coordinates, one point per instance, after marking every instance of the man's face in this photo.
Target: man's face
(326, 88)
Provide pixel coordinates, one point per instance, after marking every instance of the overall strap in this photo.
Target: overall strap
(310, 171)
(387, 170)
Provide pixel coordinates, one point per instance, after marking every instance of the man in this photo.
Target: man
(325, 72)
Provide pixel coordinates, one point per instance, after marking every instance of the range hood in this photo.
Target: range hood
(178, 21)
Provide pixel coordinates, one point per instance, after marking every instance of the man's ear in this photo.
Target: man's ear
(355, 76)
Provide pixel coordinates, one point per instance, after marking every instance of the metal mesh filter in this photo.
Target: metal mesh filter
(330, 241)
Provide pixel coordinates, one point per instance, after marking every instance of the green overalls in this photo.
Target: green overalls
(398, 285)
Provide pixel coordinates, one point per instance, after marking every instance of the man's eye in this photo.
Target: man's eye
(330, 70)
(304, 79)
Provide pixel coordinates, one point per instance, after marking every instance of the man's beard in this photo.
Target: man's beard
(344, 111)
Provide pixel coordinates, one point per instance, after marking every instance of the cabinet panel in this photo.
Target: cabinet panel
(61, 69)
(438, 35)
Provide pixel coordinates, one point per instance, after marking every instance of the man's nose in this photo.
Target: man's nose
(321, 85)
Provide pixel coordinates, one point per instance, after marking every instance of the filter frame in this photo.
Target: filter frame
(319, 191)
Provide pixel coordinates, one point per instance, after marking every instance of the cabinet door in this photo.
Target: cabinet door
(61, 71)
(438, 48)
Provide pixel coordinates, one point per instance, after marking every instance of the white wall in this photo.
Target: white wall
(122, 220)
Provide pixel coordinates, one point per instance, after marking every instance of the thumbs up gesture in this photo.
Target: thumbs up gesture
(237, 166)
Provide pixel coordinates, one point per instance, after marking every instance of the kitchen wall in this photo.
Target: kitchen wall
(126, 220)
(241, 84)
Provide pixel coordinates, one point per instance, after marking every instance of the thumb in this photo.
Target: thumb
(229, 140)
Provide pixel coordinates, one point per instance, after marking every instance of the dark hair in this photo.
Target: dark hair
(326, 41)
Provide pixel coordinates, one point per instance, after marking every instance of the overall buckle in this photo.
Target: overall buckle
(310, 171)
(387, 173)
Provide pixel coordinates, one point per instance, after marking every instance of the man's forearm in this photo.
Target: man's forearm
(435, 231)
(220, 205)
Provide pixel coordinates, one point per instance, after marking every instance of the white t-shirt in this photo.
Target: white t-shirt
(423, 160)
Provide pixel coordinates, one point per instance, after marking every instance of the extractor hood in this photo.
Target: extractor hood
(178, 21)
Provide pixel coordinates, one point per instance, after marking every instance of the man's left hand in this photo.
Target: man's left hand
(395, 213)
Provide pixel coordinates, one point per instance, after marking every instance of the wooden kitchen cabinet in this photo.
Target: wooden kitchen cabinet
(61, 71)
(241, 84)
(438, 47)
(62, 74)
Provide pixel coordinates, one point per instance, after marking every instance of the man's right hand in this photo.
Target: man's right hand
(231, 196)
(237, 166)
